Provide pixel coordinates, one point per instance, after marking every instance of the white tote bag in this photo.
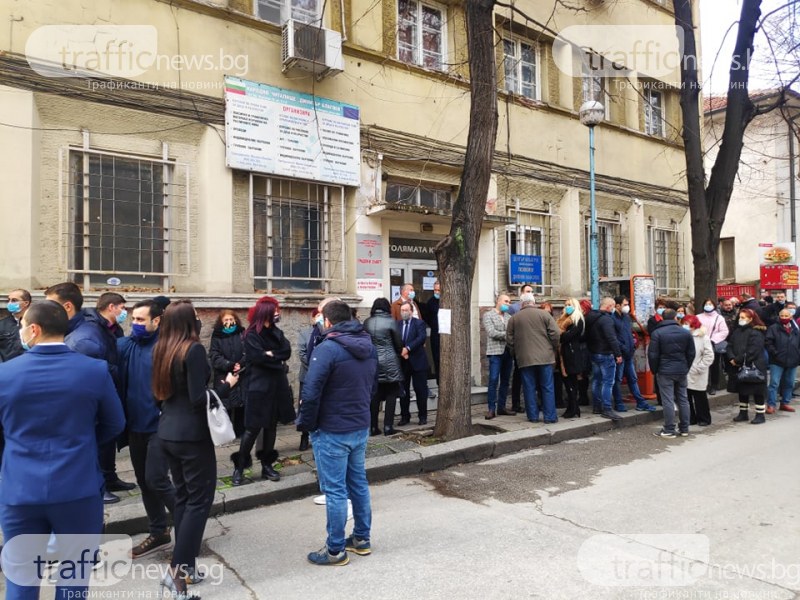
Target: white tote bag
(219, 423)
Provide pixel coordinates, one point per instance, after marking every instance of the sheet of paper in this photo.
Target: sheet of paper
(444, 320)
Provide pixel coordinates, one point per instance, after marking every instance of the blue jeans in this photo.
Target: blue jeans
(780, 378)
(540, 376)
(500, 366)
(604, 370)
(342, 475)
(627, 370)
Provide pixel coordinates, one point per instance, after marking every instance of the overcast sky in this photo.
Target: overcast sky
(716, 16)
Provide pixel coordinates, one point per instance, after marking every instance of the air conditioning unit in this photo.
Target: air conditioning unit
(311, 48)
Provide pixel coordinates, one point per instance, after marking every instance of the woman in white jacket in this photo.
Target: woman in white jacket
(699, 411)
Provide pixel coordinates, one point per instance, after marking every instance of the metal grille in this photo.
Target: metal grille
(537, 234)
(665, 260)
(124, 216)
(420, 195)
(612, 250)
(291, 234)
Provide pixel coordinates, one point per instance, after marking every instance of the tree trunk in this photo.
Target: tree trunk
(457, 253)
(708, 205)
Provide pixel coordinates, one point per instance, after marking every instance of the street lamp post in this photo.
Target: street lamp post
(591, 113)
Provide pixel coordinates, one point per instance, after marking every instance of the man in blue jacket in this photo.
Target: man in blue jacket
(339, 384)
(56, 407)
(626, 369)
(671, 354)
(141, 412)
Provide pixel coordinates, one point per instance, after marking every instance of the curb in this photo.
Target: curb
(130, 519)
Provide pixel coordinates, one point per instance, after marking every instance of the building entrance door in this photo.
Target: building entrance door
(420, 273)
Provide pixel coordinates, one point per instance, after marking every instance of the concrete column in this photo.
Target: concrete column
(19, 172)
(214, 204)
(571, 231)
(637, 239)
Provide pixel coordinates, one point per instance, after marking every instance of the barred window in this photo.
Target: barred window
(611, 249)
(125, 216)
(291, 234)
(279, 11)
(664, 260)
(536, 234)
(419, 195)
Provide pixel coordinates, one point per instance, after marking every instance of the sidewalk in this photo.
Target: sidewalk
(410, 452)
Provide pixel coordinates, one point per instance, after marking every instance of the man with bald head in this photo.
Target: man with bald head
(605, 353)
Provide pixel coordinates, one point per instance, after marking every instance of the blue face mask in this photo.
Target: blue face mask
(138, 330)
(504, 308)
(320, 321)
(412, 294)
(660, 311)
(680, 316)
(569, 310)
(13, 307)
(230, 329)
(25, 345)
(437, 295)
(122, 316)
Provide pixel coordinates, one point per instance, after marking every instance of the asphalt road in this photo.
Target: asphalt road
(622, 515)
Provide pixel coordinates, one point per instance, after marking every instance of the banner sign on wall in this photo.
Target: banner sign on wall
(779, 277)
(287, 133)
(369, 262)
(780, 253)
(525, 268)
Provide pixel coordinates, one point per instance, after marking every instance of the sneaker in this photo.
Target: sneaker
(150, 544)
(319, 500)
(621, 408)
(669, 435)
(326, 559)
(194, 576)
(358, 546)
(684, 434)
(645, 407)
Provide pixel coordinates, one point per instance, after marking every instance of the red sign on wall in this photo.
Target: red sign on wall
(779, 277)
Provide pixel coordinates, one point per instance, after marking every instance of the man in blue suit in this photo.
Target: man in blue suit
(56, 407)
(415, 364)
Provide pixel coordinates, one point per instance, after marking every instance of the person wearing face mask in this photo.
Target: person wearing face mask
(717, 331)
(661, 306)
(142, 414)
(226, 354)
(572, 353)
(601, 337)
(498, 355)
(18, 302)
(624, 330)
(746, 346)
(407, 295)
(769, 314)
(415, 365)
(783, 347)
(697, 381)
(432, 319)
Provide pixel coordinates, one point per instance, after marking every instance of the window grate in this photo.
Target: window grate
(665, 260)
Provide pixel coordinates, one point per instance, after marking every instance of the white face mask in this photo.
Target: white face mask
(687, 327)
(743, 322)
(626, 310)
(708, 307)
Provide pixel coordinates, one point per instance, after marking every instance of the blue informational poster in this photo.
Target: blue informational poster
(525, 268)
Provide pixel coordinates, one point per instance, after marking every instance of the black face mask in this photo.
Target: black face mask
(198, 325)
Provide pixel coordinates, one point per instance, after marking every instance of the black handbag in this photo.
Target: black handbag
(750, 374)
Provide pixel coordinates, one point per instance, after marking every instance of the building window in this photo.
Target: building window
(611, 249)
(653, 112)
(420, 34)
(593, 86)
(520, 61)
(127, 217)
(726, 259)
(439, 199)
(291, 234)
(536, 234)
(279, 11)
(664, 260)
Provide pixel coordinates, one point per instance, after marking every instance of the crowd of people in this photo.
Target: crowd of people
(96, 390)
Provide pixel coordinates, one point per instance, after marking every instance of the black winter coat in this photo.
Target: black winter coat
(226, 350)
(783, 347)
(671, 350)
(601, 336)
(746, 343)
(574, 355)
(268, 393)
(382, 329)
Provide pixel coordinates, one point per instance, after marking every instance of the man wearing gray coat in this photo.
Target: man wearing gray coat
(532, 335)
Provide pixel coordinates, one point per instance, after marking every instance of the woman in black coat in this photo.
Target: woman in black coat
(382, 329)
(571, 353)
(226, 356)
(746, 346)
(268, 399)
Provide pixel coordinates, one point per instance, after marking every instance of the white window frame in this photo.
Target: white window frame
(547, 227)
(415, 195)
(668, 277)
(175, 222)
(654, 110)
(289, 9)
(417, 48)
(518, 63)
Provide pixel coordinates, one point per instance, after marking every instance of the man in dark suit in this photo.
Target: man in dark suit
(431, 313)
(52, 397)
(415, 364)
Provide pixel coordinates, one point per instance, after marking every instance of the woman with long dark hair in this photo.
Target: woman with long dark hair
(226, 354)
(269, 399)
(180, 378)
(382, 329)
(746, 347)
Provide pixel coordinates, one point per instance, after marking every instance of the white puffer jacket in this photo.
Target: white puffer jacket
(703, 357)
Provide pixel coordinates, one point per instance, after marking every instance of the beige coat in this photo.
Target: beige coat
(703, 357)
(532, 335)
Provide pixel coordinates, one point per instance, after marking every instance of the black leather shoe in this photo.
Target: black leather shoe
(610, 414)
(374, 431)
(238, 477)
(516, 409)
(390, 431)
(304, 443)
(403, 422)
(109, 498)
(506, 413)
(119, 486)
(423, 421)
(267, 472)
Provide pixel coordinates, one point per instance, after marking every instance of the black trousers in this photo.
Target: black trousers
(571, 383)
(107, 457)
(388, 391)
(435, 339)
(420, 381)
(714, 372)
(516, 389)
(583, 389)
(699, 411)
(194, 470)
(152, 477)
(266, 455)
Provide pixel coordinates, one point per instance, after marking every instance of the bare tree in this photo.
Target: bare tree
(457, 252)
